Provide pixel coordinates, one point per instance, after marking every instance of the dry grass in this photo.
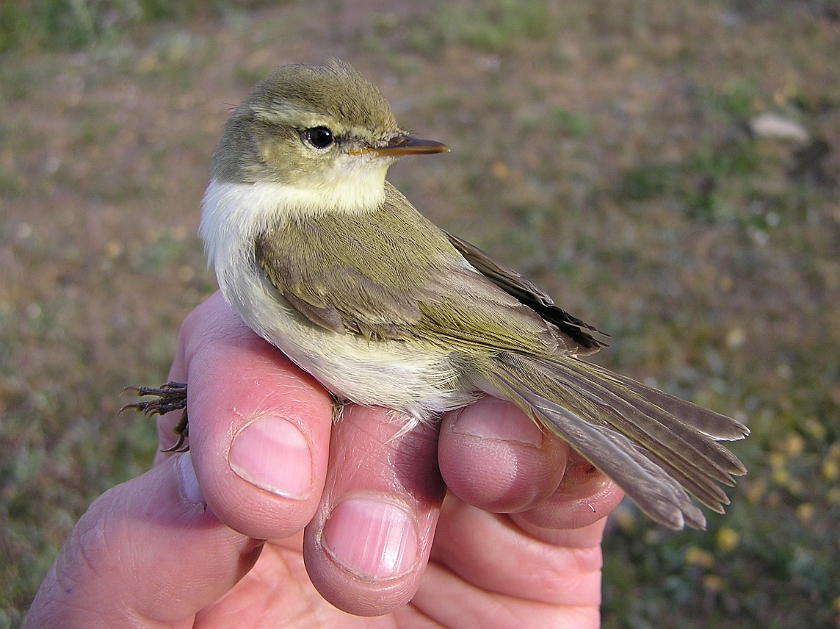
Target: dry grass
(602, 147)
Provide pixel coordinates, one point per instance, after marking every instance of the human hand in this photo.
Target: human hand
(354, 508)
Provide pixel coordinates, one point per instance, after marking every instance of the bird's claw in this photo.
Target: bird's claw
(171, 396)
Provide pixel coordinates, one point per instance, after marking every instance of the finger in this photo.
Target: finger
(197, 329)
(584, 496)
(482, 559)
(450, 601)
(147, 553)
(259, 426)
(368, 545)
(496, 458)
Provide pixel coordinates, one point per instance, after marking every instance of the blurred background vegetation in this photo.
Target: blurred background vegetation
(667, 169)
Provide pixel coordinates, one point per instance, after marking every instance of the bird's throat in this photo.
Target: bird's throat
(243, 210)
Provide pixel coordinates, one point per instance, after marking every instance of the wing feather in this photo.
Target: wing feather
(531, 295)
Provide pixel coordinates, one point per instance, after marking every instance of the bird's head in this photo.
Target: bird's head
(324, 132)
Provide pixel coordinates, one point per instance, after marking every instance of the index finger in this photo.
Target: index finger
(259, 426)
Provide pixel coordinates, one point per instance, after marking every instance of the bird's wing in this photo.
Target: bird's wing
(529, 294)
(364, 274)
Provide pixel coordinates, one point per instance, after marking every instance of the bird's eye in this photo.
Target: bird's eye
(319, 137)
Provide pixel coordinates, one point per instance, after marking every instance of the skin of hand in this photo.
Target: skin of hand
(489, 523)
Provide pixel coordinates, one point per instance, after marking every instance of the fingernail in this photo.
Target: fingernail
(273, 454)
(374, 539)
(497, 419)
(190, 490)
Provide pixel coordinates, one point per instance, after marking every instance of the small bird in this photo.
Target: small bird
(326, 260)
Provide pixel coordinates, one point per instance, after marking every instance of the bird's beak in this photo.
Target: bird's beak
(407, 145)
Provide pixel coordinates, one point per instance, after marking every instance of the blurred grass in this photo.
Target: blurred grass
(603, 147)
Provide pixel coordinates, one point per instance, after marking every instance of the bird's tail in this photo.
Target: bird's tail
(655, 446)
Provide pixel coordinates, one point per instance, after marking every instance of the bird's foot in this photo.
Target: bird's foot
(171, 396)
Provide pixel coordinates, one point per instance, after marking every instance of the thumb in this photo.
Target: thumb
(147, 553)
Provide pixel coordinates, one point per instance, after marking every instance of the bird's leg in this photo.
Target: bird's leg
(171, 396)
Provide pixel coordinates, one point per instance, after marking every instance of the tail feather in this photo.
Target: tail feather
(687, 453)
(658, 495)
(708, 494)
(650, 424)
(632, 433)
(718, 427)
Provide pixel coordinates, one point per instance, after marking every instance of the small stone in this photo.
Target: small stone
(774, 126)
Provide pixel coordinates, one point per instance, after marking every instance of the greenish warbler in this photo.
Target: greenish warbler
(326, 260)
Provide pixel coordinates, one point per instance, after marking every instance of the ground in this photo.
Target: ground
(608, 149)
